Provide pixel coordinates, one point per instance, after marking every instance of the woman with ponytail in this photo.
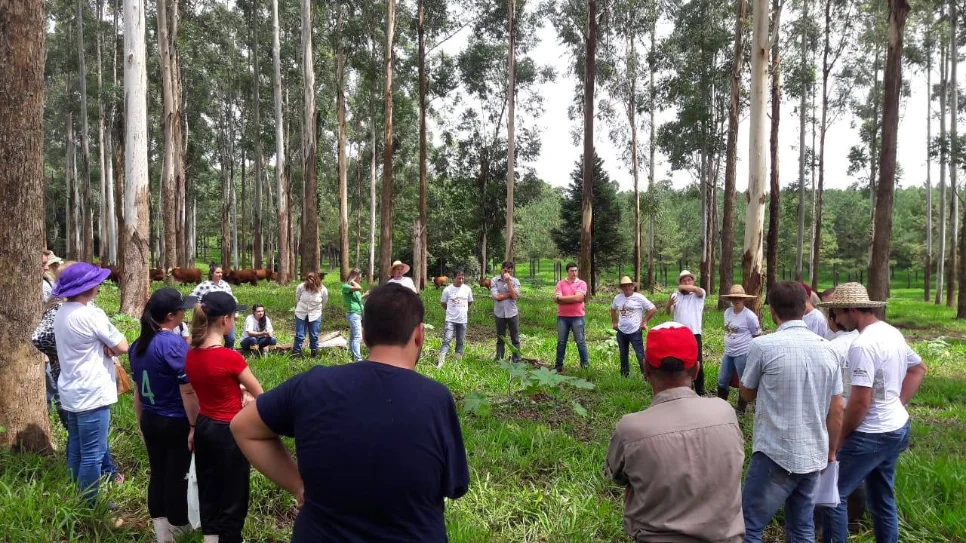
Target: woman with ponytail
(220, 378)
(166, 408)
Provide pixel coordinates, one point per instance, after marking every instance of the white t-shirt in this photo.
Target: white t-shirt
(631, 311)
(841, 342)
(816, 322)
(251, 325)
(406, 282)
(879, 359)
(688, 310)
(87, 375)
(457, 300)
(740, 329)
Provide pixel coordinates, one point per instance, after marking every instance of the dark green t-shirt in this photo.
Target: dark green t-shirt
(352, 299)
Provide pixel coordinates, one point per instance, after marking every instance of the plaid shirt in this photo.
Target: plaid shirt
(210, 286)
(796, 374)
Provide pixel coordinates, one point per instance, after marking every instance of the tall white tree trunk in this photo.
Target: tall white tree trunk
(280, 179)
(751, 261)
(954, 154)
(340, 76)
(372, 201)
(87, 213)
(102, 219)
(800, 250)
(385, 225)
(943, 91)
(134, 280)
(927, 268)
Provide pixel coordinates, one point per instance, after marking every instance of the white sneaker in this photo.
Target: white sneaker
(442, 360)
(179, 531)
(162, 530)
(211, 539)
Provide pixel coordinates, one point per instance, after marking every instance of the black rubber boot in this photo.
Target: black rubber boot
(723, 393)
(742, 405)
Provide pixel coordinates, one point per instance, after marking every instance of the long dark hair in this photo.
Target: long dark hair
(312, 282)
(262, 321)
(149, 329)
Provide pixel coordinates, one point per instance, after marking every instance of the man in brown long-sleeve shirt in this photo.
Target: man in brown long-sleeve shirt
(680, 459)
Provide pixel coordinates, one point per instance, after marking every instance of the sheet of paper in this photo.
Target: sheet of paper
(827, 487)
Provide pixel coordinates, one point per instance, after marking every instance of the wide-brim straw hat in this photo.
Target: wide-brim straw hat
(683, 274)
(738, 292)
(399, 263)
(849, 295)
(626, 281)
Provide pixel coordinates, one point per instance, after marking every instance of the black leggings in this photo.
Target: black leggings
(166, 439)
(222, 480)
(699, 382)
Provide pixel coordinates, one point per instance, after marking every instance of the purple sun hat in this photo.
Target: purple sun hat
(78, 279)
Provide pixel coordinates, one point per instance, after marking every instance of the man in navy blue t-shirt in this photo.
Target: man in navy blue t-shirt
(379, 444)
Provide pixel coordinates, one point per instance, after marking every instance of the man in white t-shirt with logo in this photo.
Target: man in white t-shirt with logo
(885, 374)
(456, 300)
(687, 307)
(629, 314)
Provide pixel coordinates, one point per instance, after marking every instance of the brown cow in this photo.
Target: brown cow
(156, 274)
(115, 276)
(238, 277)
(185, 275)
(486, 283)
(440, 281)
(262, 273)
(273, 276)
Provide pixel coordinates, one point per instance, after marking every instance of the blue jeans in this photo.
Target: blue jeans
(259, 343)
(873, 458)
(453, 329)
(230, 339)
(313, 328)
(564, 326)
(87, 450)
(768, 486)
(355, 335)
(730, 365)
(624, 341)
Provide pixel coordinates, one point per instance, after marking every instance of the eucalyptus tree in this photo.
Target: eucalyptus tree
(281, 180)
(86, 201)
(879, 269)
(310, 204)
(754, 220)
(385, 234)
(23, 412)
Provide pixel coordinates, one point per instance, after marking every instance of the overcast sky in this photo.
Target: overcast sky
(559, 151)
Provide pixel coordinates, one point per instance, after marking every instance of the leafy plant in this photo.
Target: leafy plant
(477, 403)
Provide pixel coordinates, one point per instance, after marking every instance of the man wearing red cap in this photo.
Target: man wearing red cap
(681, 458)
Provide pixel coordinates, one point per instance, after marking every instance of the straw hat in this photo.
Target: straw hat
(625, 280)
(848, 295)
(683, 274)
(399, 263)
(737, 291)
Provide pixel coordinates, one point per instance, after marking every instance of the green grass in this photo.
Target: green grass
(535, 464)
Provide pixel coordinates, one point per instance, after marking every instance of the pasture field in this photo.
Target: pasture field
(536, 454)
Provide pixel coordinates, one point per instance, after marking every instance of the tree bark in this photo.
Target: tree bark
(284, 275)
(635, 167)
(652, 65)
(587, 194)
(310, 205)
(134, 279)
(102, 219)
(882, 244)
(23, 411)
(168, 120)
(226, 190)
(385, 237)
(87, 213)
(257, 223)
(774, 196)
(421, 224)
(927, 264)
(823, 129)
(800, 249)
(340, 77)
(954, 154)
(726, 271)
(511, 138)
(943, 92)
(751, 261)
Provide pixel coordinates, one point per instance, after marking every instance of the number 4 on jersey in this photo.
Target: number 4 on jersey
(146, 387)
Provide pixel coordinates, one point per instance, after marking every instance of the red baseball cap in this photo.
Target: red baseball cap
(808, 289)
(671, 340)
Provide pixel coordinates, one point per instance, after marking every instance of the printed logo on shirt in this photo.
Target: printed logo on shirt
(878, 386)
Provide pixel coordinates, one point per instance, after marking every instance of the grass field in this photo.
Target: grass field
(535, 462)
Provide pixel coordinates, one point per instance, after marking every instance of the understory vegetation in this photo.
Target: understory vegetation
(536, 446)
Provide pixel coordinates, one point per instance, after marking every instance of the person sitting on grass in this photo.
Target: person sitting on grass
(258, 331)
(311, 296)
(221, 380)
(456, 300)
(379, 445)
(629, 314)
(740, 327)
(166, 409)
(680, 459)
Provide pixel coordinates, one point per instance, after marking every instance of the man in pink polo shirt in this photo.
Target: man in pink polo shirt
(569, 295)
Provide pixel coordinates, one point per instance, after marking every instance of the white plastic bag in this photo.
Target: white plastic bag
(194, 509)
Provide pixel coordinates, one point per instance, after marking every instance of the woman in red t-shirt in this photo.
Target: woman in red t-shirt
(220, 378)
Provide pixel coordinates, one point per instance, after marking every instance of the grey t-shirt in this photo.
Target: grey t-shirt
(740, 329)
(504, 309)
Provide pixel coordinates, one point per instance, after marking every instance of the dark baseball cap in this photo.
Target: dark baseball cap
(218, 304)
(168, 300)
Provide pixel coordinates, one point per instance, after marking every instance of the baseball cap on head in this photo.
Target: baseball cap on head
(218, 304)
(168, 300)
(671, 347)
